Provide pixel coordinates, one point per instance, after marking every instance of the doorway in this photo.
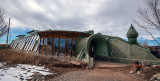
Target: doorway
(98, 49)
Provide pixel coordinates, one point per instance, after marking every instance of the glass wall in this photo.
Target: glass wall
(62, 47)
(40, 46)
(45, 46)
(68, 46)
(53, 45)
(73, 47)
(56, 41)
(50, 40)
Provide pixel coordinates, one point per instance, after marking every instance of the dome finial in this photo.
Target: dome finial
(132, 35)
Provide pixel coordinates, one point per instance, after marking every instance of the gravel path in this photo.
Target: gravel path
(98, 75)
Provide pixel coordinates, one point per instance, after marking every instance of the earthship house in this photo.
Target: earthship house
(85, 46)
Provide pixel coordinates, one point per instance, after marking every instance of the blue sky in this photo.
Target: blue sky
(20, 31)
(14, 32)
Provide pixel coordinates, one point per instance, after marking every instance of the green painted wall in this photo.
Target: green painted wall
(111, 47)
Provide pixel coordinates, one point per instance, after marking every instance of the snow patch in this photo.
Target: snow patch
(21, 72)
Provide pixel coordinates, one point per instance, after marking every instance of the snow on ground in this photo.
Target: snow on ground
(20, 72)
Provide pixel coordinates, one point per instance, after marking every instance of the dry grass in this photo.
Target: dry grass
(12, 57)
(55, 64)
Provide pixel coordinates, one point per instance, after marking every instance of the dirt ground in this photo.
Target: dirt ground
(111, 72)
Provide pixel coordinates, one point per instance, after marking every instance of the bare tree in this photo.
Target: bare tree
(3, 24)
(149, 17)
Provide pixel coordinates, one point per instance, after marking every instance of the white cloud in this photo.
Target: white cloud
(104, 16)
(150, 37)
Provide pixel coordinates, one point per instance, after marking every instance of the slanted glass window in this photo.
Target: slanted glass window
(31, 43)
(34, 42)
(38, 44)
(28, 39)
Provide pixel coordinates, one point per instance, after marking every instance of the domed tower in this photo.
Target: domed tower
(132, 35)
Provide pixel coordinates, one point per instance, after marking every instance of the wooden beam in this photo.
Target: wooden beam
(62, 33)
(58, 46)
(75, 46)
(43, 47)
(39, 47)
(48, 36)
(47, 47)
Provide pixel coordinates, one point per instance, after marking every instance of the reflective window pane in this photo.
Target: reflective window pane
(40, 46)
(45, 46)
(62, 47)
(56, 40)
(68, 46)
(50, 45)
(73, 47)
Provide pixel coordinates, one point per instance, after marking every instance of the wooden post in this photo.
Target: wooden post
(58, 45)
(71, 46)
(52, 46)
(75, 46)
(8, 30)
(47, 47)
(65, 47)
(43, 47)
(9, 38)
(39, 47)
